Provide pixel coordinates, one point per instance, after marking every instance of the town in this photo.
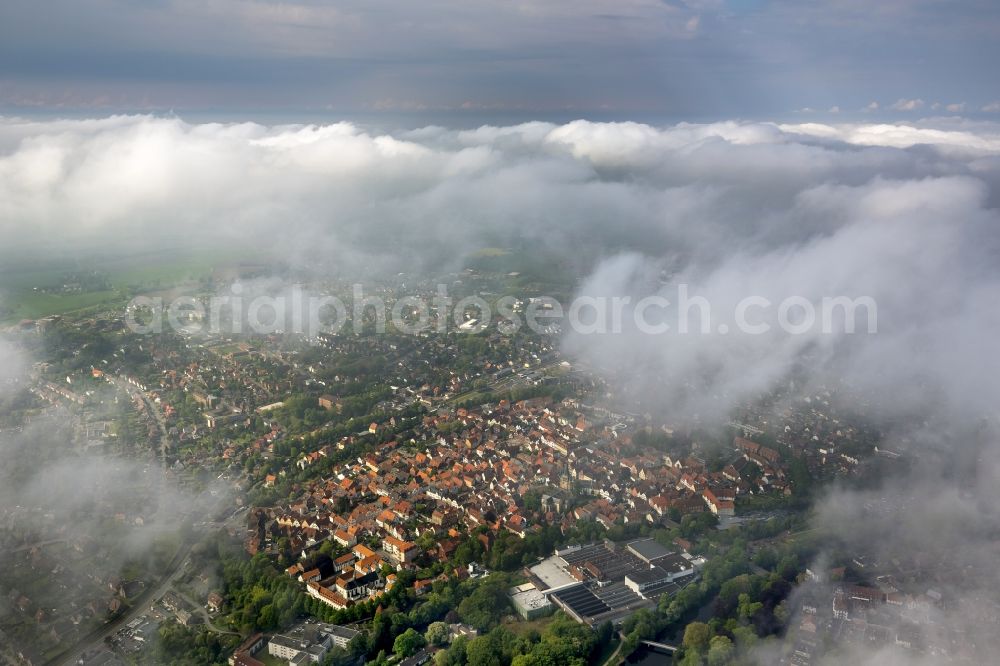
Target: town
(397, 498)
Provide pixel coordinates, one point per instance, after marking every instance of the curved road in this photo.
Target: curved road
(206, 618)
(142, 604)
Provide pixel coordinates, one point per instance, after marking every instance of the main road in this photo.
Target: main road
(153, 410)
(142, 604)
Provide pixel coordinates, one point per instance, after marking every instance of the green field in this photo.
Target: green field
(32, 305)
(24, 280)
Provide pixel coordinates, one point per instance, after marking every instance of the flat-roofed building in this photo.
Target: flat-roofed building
(647, 550)
(529, 602)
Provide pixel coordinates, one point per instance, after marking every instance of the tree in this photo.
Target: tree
(437, 633)
(550, 653)
(781, 612)
(767, 558)
(268, 617)
(604, 632)
(492, 649)
(408, 643)
(697, 636)
(748, 607)
(484, 607)
(455, 655)
(745, 637)
(788, 567)
(482, 652)
(564, 643)
(720, 651)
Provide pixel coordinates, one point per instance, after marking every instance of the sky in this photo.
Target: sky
(641, 59)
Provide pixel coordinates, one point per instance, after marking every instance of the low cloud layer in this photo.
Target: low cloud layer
(921, 251)
(903, 214)
(357, 196)
(78, 522)
(12, 367)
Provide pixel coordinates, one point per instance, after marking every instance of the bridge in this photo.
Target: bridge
(659, 646)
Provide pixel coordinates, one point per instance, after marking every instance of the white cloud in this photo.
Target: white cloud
(13, 365)
(992, 107)
(902, 104)
(872, 234)
(899, 136)
(339, 189)
(920, 239)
